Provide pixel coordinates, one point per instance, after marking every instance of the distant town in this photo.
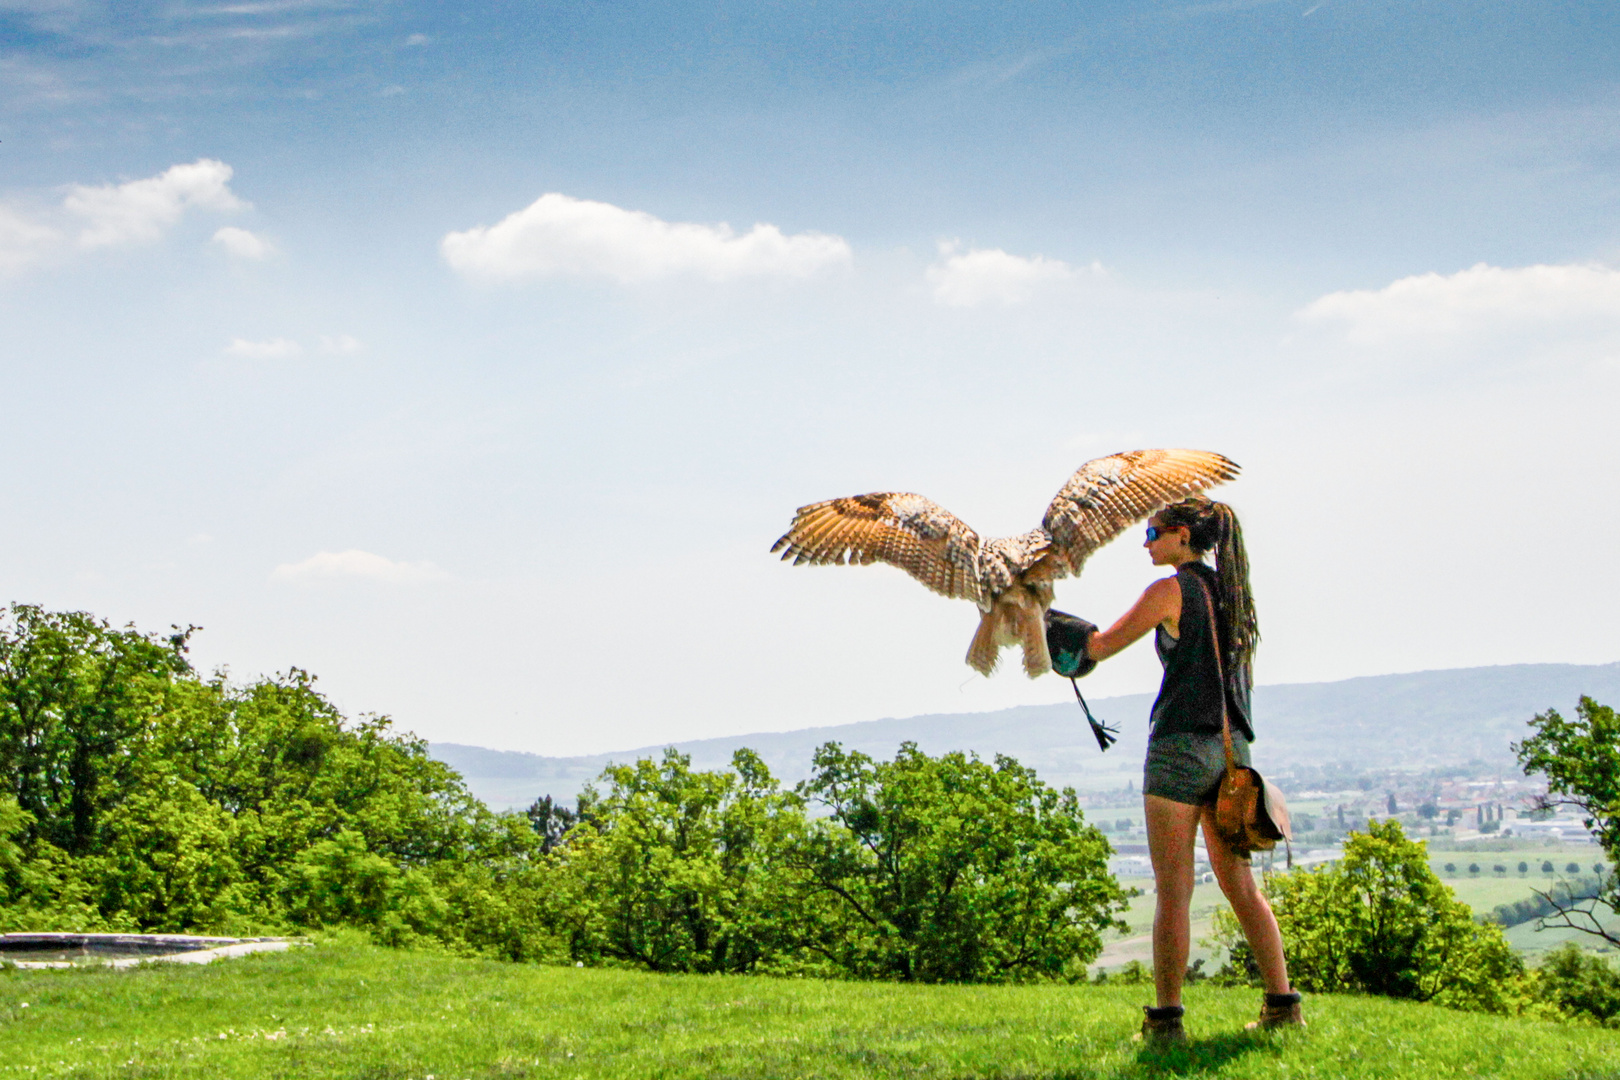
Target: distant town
(1483, 810)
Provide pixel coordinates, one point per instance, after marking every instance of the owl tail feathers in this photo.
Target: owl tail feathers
(1032, 636)
(984, 652)
(1027, 629)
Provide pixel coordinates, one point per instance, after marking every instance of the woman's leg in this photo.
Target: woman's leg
(1172, 828)
(1249, 905)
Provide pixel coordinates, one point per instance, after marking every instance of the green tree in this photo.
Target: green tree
(680, 870)
(553, 821)
(75, 696)
(949, 869)
(1380, 922)
(1581, 760)
(166, 861)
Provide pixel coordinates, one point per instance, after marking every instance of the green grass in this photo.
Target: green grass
(343, 1009)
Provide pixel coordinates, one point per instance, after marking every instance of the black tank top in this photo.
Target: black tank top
(1189, 697)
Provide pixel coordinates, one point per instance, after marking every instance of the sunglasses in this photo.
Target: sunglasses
(1156, 531)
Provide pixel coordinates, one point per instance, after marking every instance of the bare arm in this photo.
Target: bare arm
(1159, 603)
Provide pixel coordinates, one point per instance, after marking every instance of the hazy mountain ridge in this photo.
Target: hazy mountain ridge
(1418, 719)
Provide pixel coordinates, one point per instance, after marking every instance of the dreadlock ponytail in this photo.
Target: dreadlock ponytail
(1212, 526)
(1232, 572)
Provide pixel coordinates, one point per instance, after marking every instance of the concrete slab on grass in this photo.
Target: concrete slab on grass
(66, 950)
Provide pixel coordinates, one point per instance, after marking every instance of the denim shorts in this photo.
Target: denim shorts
(1186, 767)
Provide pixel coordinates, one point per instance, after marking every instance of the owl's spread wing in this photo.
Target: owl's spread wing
(1104, 497)
(911, 532)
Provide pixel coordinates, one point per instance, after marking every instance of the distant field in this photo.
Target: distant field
(1137, 945)
(348, 1010)
(1482, 893)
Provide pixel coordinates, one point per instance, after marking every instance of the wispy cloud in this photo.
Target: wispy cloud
(243, 244)
(267, 7)
(114, 215)
(141, 210)
(340, 344)
(273, 349)
(561, 235)
(23, 241)
(1481, 300)
(353, 564)
(990, 275)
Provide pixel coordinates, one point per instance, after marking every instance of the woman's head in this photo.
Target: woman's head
(1197, 526)
(1204, 519)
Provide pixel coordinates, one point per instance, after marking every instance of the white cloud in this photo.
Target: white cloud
(558, 234)
(340, 344)
(23, 241)
(332, 566)
(141, 209)
(984, 275)
(1482, 300)
(274, 349)
(243, 244)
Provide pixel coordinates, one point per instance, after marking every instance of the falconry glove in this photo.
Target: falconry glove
(1066, 640)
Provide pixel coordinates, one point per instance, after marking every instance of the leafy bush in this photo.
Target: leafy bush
(950, 869)
(1380, 922)
(1579, 985)
(676, 870)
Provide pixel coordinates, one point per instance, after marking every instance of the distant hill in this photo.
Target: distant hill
(1419, 720)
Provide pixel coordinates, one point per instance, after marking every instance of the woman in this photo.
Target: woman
(1186, 753)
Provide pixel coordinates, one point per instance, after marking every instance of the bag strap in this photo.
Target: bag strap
(1226, 723)
(1220, 672)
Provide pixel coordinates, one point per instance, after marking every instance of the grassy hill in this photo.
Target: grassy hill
(1416, 720)
(343, 1009)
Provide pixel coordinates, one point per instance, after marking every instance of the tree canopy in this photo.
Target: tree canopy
(1581, 760)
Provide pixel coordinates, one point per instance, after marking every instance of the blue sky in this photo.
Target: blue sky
(472, 356)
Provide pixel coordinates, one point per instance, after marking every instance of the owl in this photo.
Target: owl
(1009, 579)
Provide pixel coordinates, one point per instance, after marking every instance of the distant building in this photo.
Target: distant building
(1564, 829)
(1131, 866)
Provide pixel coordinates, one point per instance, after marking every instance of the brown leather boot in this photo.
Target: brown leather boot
(1279, 1011)
(1162, 1027)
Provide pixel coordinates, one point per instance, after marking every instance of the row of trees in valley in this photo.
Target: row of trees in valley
(138, 794)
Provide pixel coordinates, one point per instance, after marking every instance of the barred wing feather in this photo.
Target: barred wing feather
(911, 532)
(1104, 497)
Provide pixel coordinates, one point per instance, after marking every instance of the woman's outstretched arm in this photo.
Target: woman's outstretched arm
(1159, 603)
